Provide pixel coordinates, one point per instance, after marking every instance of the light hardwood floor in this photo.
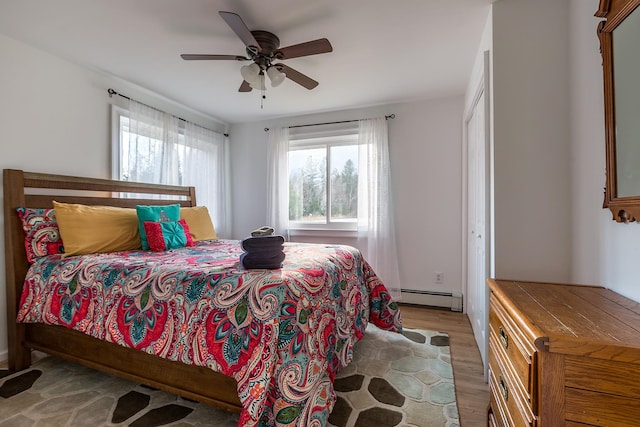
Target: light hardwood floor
(472, 392)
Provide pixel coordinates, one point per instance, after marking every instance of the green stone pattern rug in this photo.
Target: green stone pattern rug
(394, 380)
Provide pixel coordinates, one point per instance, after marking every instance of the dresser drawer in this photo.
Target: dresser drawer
(600, 409)
(602, 392)
(511, 344)
(514, 409)
(496, 413)
(606, 376)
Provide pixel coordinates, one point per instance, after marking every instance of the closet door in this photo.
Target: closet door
(476, 300)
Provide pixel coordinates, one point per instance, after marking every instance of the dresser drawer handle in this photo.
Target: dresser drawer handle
(503, 389)
(504, 338)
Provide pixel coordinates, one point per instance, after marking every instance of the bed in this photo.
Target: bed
(264, 343)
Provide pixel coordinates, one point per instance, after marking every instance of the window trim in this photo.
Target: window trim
(116, 113)
(304, 232)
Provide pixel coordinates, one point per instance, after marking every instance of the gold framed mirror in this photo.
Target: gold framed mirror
(619, 35)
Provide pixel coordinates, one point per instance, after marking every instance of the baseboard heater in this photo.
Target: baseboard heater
(452, 300)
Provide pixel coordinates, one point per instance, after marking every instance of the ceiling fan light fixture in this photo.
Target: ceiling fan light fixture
(263, 47)
(276, 76)
(251, 74)
(259, 82)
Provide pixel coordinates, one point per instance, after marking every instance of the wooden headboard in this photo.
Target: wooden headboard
(38, 190)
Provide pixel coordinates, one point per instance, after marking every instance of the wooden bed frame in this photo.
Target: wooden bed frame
(37, 190)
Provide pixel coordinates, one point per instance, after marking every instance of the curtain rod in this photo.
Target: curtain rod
(390, 116)
(112, 92)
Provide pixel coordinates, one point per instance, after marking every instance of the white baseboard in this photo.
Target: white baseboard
(452, 301)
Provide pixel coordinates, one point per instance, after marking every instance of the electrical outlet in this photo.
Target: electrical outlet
(439, 276)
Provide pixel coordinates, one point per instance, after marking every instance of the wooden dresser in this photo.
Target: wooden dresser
(562, 355)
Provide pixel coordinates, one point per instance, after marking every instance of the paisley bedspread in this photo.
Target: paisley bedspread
(282, 334)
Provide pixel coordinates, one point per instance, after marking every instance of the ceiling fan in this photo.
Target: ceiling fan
(263, 48)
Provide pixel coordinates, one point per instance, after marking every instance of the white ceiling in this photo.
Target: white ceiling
(383, 51)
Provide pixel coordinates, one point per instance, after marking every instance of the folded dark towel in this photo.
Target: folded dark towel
(264, 242)
(262, 231)
(265, 260)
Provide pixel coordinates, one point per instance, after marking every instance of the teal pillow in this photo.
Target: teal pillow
(164, 213)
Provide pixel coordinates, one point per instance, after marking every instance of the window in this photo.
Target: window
(137, 153)
(310, 178)
(323, 181)
(145, 157)
(155, 147)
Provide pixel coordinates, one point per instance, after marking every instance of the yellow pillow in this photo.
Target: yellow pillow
(199, 222)
(96, 229)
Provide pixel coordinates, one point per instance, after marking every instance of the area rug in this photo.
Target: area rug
(394, 380)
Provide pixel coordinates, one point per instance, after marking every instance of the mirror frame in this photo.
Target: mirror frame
(614, 12)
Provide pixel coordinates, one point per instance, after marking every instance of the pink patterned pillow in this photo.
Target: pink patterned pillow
(167, 235)
(41, 233)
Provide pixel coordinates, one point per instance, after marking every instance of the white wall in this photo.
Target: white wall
(604, 251)
(550, 150)
(55, 118)
(425, 151)
(533, 214)
(50, 122)
(587, 146)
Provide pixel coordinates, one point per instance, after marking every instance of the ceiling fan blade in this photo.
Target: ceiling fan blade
(195, 56)
(297, 76)
(240, 28)
(245, 87)
(313, 47)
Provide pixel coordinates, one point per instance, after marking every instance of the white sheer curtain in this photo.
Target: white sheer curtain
(157, 147)
(278, 181)
(205, 155)
(376, 226)
(147, 151)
